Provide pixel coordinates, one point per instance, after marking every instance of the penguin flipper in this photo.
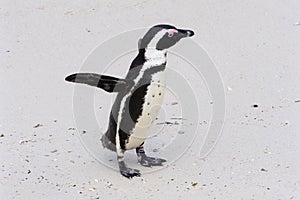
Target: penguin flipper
(108, 83)
(139, 43)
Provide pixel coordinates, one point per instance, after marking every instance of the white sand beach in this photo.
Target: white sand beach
(47, 154)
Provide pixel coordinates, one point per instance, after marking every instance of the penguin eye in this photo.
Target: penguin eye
(170, 34)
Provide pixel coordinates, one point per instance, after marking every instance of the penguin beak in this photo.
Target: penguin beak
(187, 33)
(190, 33)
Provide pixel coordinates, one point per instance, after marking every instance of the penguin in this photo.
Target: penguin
(139, 96)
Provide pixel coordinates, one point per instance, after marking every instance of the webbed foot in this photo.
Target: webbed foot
(127, 172)
(148, 161)
(130, 173)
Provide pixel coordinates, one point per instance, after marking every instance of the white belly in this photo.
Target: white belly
(151, 107)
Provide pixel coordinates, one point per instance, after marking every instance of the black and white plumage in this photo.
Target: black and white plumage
(140, 95)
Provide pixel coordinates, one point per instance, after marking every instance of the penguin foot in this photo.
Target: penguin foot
(147, 161)
(125, 171)
(130, 173)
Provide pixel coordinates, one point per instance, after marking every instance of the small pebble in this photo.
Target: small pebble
(26, 141)
(263, 170)
(285, 123)
(181, 132)
(38, 125)
(109, 184)
(155, 150)
(194, 184)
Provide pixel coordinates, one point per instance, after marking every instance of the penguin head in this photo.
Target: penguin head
(163, 36)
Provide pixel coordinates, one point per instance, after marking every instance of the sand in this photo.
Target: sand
(254, 46)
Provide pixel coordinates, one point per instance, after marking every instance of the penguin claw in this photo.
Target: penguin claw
(151, 161)
(130, 173)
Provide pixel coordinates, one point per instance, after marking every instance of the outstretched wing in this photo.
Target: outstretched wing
(107, 83)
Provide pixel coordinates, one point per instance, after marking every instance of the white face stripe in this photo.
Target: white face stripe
(156, 38)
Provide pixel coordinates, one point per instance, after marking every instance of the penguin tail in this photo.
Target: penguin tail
(106, 143)
(108, 83)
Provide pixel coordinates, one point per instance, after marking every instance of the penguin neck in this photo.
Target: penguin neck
(155, 57)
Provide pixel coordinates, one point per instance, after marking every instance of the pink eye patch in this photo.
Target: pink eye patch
(171, 32)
